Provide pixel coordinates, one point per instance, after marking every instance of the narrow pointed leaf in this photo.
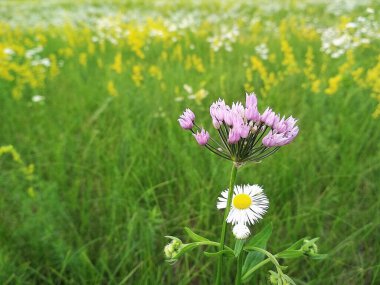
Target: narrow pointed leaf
(258, 240)
(297, 244)
(288, 279)
(290, 253)
(225, 252)
(238, 246)
(185, 249)
(194, 236)
(319, 256)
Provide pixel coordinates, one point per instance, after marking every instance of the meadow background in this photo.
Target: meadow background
(95, 169)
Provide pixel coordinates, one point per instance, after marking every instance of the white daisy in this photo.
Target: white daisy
(241, 231)
(249, 204)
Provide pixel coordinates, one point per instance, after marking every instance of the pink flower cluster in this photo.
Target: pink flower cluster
(283, 132)
(242, 121)
(245, 133)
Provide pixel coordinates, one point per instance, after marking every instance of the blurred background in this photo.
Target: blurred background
(95, 169)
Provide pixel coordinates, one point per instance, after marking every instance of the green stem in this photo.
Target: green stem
(270, 256)
(253, 269)
(224, 227)
(239, 266)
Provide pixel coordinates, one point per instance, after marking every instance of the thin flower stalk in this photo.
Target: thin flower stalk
(224, 226)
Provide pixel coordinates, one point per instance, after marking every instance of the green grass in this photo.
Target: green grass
(112, 178)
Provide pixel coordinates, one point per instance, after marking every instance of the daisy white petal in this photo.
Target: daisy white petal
(248, 206)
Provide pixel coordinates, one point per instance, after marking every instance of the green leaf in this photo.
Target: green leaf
(238, 246)
(258, 240)
(174, 238)
(310, 242)
(290, 253)
(185, 249)
(288, 279)
(194, 236)
(319, 256)
(297, 244)
(261, 237)
(225, 252)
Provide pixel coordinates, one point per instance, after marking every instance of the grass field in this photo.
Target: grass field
(95, 169)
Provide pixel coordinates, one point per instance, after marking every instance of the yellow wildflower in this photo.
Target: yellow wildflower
(346, 66)
(83, 59)
(91, 48)
(195, 62)
(155, 72)
(357, 76)
(373, 82)
(66, 52)
(54, 70)
(188, 62)
(177, 53)
(112, 89)
(137, 76)
(315, 86)
(117, 64)
(269, 79)
(27, 170)
(198, 64)
(248, 87)
(248, 75)
(289, 60)
(309, 72)
(136, 42)
(333, 84)
(199, 95)
(164, 56)
(17, 92)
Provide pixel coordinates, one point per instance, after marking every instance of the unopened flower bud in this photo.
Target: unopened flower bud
(186, 120)
(202, 137)
(252, 114)
(185, 124)
(274, 278)
(233, 136)
(251, 100)
(216, 123)
(241, 231)
(172, 248)
(278, 279)
(309, 247)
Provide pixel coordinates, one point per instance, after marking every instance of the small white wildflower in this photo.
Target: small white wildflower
(38, 98)
(9, 51)
(249, 204)
(188, 88)
(178, 99)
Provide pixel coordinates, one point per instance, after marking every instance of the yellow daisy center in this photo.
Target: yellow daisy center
(242, 201)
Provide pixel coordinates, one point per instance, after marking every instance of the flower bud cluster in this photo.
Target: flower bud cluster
(172, 248)
(245, 133)
(310, 247)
